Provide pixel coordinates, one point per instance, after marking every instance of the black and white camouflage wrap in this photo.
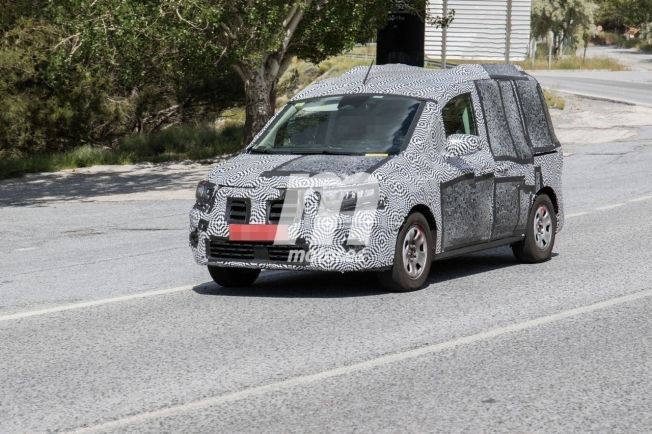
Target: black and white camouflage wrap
(472, 198)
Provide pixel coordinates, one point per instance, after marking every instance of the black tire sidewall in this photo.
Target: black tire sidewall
(400, 280)
(233, 277)
(531, 251)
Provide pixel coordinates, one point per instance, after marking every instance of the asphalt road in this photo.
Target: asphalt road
(632, 87)
(106, 324)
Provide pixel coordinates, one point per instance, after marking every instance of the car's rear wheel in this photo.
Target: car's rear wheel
(412, 256)
(233, 277)
(540, 234)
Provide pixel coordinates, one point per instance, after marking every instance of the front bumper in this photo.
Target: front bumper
(211, 249)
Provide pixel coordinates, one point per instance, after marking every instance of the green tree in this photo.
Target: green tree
(47, 102)
(13, 10)
(259, 38)
(159, 71)
(624, 13)
(568, 20)
(93, 71)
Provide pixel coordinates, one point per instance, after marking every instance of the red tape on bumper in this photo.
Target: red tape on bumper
(257, 232)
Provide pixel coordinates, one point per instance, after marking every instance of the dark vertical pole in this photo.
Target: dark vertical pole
(444, 34)
(508, 31)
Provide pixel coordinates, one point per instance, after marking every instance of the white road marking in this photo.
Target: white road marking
(641, 199)
(154, 293)
(577, 214)
(362, 366)
(607, 207)
(25, 249)
(84, 304)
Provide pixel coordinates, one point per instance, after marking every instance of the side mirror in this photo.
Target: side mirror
(458, 145)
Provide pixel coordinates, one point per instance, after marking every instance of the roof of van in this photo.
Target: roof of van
(406, 80)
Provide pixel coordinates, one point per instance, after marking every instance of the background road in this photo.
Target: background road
(633, 86)
(107, 325)
(626, 86)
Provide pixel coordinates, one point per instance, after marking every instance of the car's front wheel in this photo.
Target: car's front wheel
(540, 234)
(233, 277)
(412, 256)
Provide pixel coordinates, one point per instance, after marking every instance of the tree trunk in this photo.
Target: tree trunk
(260, 81)
(260, 98)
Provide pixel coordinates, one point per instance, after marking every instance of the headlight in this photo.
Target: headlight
(365, 197)
(204, 194)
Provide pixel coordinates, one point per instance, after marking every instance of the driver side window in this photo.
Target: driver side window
(458, 116)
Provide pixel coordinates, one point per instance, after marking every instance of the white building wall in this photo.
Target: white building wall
(479, 29)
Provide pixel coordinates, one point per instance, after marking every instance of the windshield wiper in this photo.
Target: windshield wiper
(321, 152)
(261, 151)
(300, 151)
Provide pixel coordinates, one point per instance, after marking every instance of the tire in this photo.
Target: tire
(540, 234)
(415, 240)
(233, 277)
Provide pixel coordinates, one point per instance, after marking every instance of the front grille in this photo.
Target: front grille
(275, 207)
(274, 211)
(224, 250)
(237, 210)
(280, 253)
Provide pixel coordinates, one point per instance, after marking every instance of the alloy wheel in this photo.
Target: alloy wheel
(415, 251)
(542, 228)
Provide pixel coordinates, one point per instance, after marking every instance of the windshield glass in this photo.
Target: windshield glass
(350, 124)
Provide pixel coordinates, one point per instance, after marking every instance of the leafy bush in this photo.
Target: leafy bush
(607, 38)
(646, 34)
(183, 142)
(48, 103)
(628, 43)
(66, 82)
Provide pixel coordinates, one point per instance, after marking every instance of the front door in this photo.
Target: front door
(467, 200)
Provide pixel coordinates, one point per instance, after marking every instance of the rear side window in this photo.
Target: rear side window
(505, 127)
(458, 116)
(514, 120)
(537, 121)
(500, 138)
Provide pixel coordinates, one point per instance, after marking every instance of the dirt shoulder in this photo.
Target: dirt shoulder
(589, 121)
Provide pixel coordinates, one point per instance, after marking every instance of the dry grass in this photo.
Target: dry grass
(553, 100)
(363, 50)
(574, 62)
(570, 62)
(183, 142)
(301, 74)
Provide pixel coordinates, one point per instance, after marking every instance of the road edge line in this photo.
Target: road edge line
(360, 366)
(84, 304)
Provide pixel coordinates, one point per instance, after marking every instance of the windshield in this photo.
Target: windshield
(350, 124)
